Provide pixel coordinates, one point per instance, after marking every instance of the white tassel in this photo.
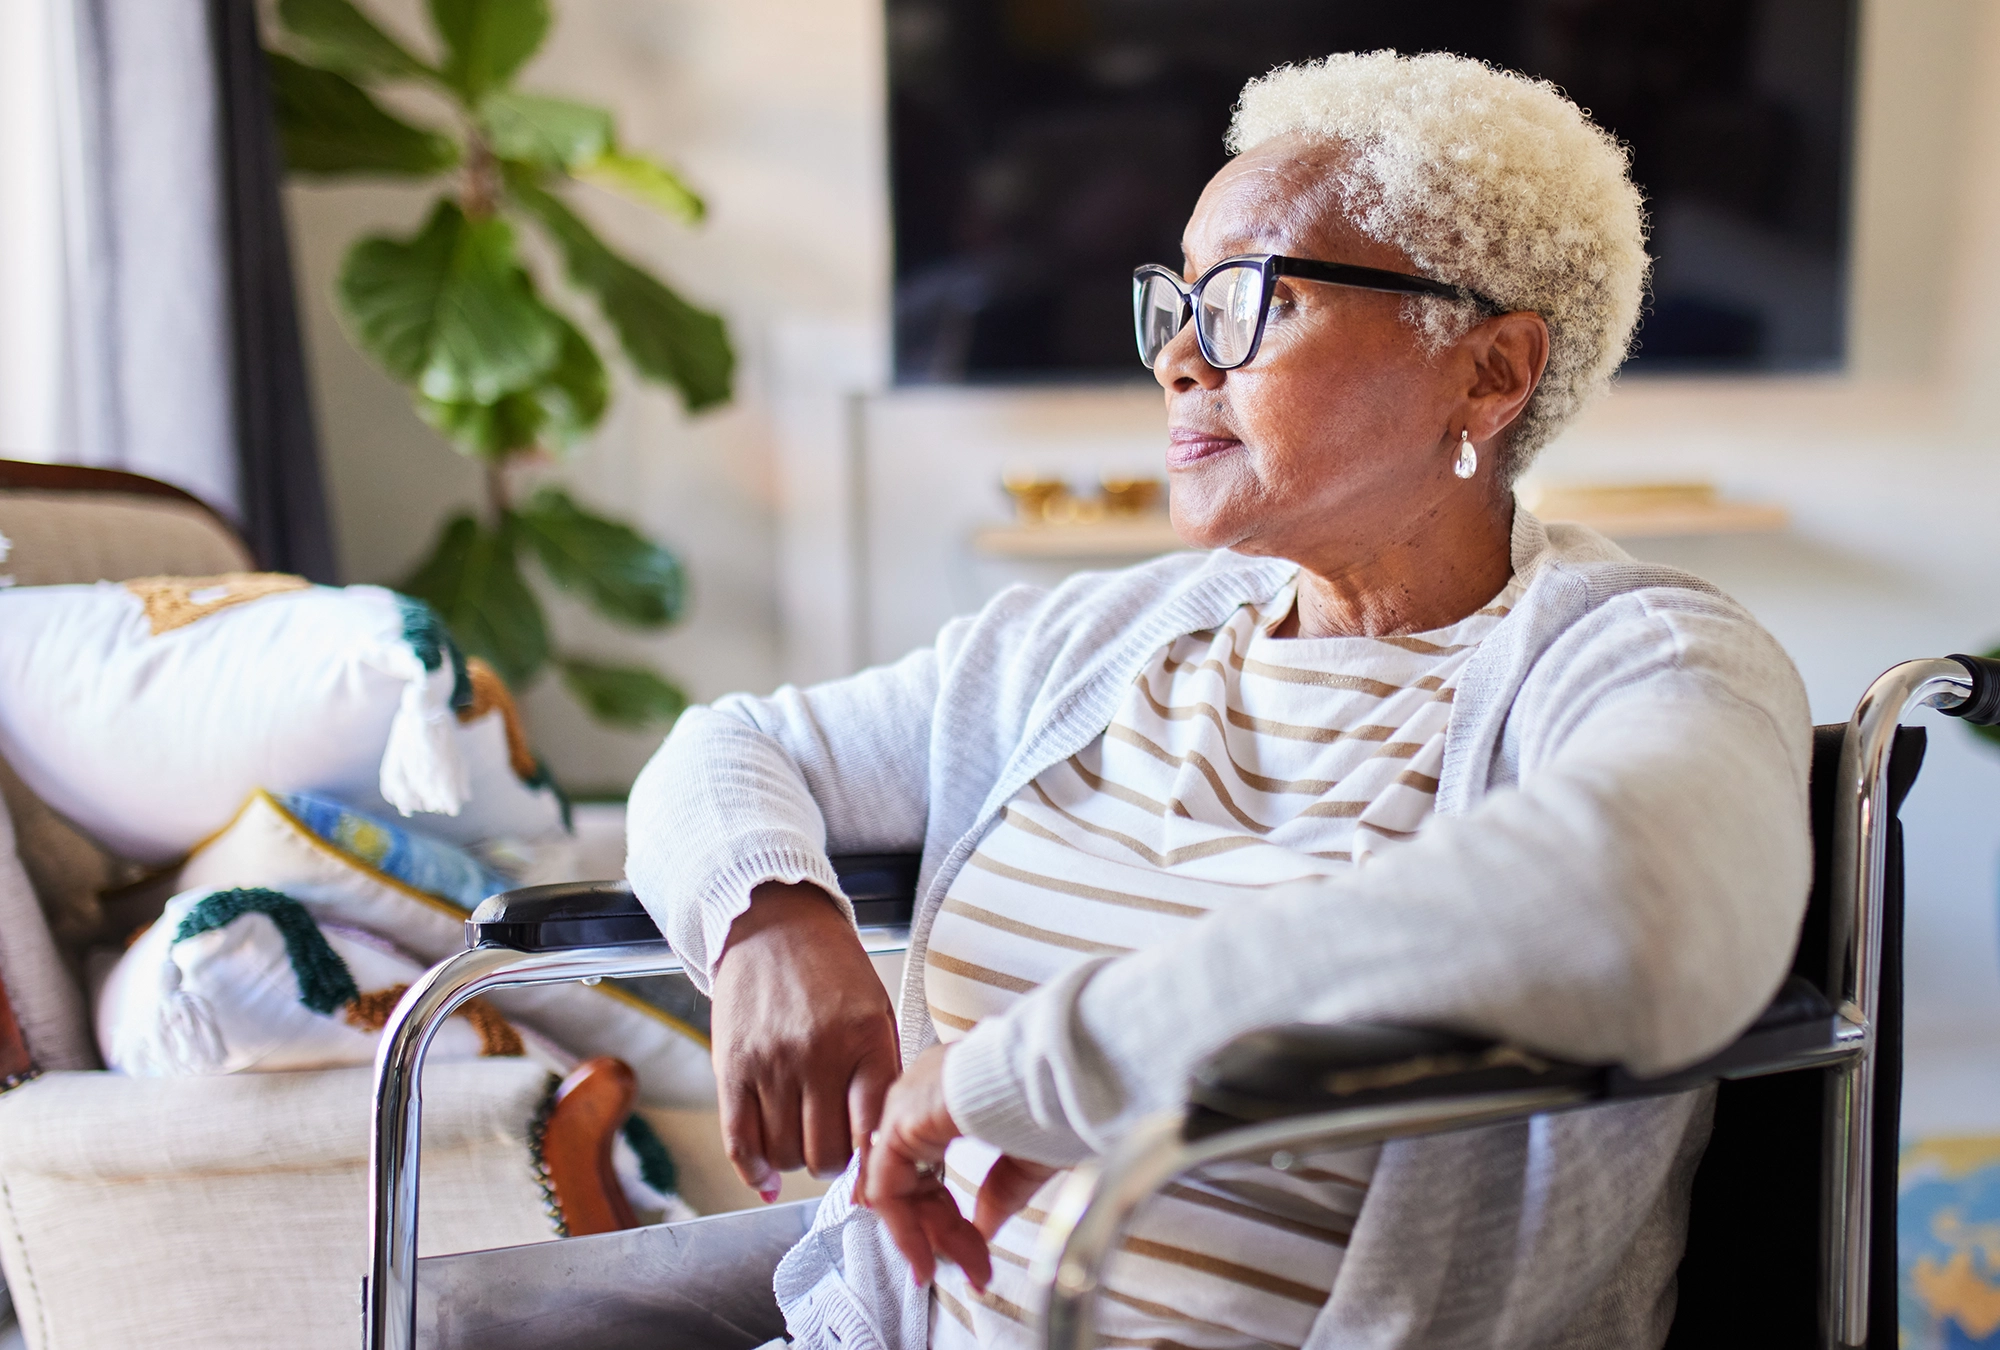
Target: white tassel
(184, 1039)
(421, 766)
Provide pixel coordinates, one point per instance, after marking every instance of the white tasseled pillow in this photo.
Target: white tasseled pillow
(145, 710)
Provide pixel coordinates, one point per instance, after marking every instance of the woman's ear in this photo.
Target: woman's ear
(1509, 353)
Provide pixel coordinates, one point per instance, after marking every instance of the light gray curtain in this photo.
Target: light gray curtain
(147, 320)
(144, 348)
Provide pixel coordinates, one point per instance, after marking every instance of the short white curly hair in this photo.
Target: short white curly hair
(1486, 179)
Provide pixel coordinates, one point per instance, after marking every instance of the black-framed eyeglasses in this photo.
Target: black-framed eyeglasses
(1230, 301)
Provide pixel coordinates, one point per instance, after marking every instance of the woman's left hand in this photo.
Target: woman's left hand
(902, 1179)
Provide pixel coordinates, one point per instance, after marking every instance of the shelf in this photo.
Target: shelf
(1660, 522)
(1149, 536)
(1140, 537)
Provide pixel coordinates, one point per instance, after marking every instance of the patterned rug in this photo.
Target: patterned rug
(1948, 1231)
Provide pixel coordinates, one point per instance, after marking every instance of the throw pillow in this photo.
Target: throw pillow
(362, 872)
(238, 980)
(144, 711)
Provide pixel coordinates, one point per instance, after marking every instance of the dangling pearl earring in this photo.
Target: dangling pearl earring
(1467, 462)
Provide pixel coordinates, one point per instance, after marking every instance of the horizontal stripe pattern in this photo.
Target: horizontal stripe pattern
(1238, 761)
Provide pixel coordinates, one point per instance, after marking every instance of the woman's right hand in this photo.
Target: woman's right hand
(804, 1037)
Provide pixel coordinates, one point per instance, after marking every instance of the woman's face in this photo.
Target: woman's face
(1341, 432)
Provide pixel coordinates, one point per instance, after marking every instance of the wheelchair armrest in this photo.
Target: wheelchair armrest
(882, 886)
(1306, 1070)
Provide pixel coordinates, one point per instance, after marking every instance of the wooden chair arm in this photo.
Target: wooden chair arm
(591, 1106)
(16, 1065)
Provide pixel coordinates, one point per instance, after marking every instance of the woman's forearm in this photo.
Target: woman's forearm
(1633, 902)
(752, 790)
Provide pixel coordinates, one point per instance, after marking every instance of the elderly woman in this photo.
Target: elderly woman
(1388, 750)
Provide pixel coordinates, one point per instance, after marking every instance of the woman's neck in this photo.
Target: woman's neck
(1429, 578)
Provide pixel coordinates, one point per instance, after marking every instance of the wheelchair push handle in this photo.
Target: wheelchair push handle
(1982, 706)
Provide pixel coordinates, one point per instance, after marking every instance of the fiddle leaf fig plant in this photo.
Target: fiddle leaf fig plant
(453, 313)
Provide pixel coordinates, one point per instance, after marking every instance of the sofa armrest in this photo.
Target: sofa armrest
(234, 1208)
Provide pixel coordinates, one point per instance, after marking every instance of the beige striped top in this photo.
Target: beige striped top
(1237, 761)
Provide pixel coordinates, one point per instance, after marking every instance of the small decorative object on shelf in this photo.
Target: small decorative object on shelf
(1127, 497)
(1042, 499)
(1038, 498)
(1127, 519)
(1651, 510)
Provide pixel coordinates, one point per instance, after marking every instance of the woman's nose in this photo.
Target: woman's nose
(1180, 366)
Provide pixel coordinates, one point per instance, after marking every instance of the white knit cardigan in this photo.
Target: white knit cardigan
(1616, 874)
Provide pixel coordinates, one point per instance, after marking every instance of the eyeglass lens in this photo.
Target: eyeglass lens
(1226, 313)
(1157, 311)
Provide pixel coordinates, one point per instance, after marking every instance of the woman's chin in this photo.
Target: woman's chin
(1202, 526)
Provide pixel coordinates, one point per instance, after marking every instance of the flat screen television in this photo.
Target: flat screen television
(1040, 149)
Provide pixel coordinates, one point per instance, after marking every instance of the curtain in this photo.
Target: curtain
(149, 272)
(279, 489)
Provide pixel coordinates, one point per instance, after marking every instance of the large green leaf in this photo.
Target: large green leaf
(338, 36)
(643, 180)
(547, 131)
(624, 575)
(474, 583)
(629, 696)
(487, 430)
(486, 41)
(574, 393)
(665, 337)
(392, 290)
(560, 410)
(329, 125)
(450, 310)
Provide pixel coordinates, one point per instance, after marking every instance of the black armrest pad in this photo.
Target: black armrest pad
(1300, 1070)
(573, 914)
(606, 914)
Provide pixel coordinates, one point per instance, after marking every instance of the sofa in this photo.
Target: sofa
(230, 1211)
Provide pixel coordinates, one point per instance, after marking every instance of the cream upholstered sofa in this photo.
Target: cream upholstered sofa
(230, 1211)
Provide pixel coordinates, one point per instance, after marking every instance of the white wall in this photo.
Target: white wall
(826, 526)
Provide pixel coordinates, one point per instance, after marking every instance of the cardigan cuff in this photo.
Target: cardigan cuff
(727, 893)
(990, 1102)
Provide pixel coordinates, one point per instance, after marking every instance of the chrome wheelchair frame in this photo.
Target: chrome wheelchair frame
(1268, 1094)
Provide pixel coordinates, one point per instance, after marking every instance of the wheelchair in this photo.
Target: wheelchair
(1790, 1243)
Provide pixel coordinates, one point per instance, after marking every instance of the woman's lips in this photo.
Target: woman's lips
(1191, 447)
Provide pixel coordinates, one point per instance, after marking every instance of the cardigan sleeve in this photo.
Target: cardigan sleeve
(1632, 899)
(748, 790)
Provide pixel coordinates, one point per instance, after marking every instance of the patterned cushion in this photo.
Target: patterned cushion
(363, 872)
(245, 979)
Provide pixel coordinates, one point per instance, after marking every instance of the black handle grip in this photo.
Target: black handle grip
(1983, 708)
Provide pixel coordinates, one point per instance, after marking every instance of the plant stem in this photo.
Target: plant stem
(479, 187)
(498, 500)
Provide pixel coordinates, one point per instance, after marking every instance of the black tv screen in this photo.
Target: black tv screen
(1040, 149)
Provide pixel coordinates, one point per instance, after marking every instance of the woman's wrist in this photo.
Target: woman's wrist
(793, 908)
(988, 1098)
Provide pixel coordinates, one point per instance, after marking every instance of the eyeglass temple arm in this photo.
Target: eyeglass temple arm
(1379, 279)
